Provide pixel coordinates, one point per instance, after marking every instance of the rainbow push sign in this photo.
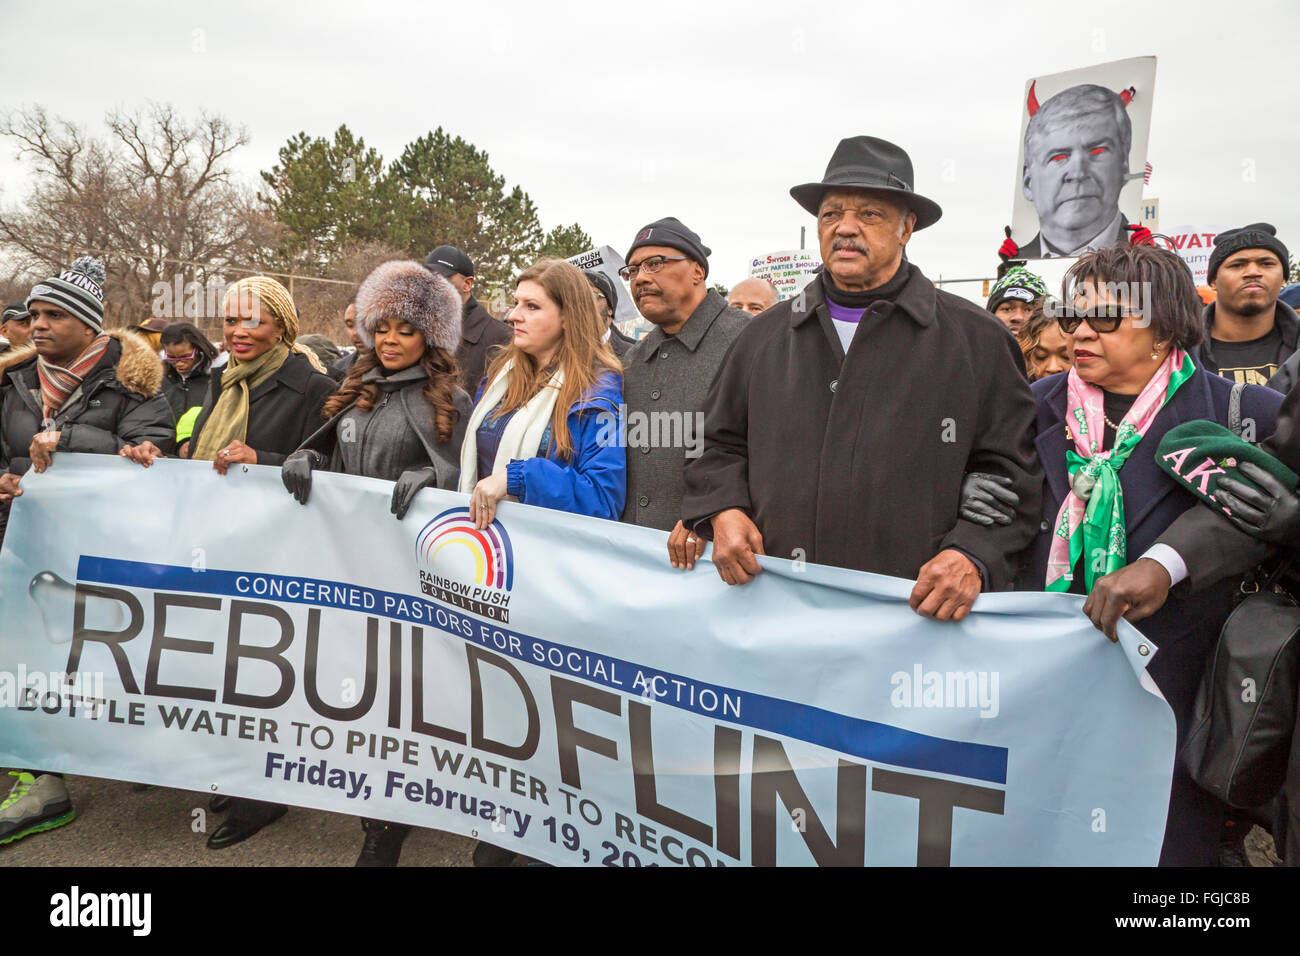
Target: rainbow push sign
(466, 567)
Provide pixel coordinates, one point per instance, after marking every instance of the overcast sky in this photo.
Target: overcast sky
(613, 115)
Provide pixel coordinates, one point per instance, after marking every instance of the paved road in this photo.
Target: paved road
(118, 824)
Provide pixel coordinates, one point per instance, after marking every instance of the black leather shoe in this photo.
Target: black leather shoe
(244, 823)
(383, 843)
(219, 803)
(485, 854)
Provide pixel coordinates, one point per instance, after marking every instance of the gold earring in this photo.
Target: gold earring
(1155, 351)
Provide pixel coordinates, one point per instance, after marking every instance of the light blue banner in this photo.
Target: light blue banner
(552, 686)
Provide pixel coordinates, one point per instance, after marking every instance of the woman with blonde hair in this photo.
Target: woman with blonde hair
(264, 404)
(547, 425)
(268, 398)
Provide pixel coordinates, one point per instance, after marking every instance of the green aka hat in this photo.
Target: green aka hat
(1197, 454)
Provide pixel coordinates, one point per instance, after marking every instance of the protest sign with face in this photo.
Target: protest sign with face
(1083, 147)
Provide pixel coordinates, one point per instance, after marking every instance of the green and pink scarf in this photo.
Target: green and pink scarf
(1091, 519)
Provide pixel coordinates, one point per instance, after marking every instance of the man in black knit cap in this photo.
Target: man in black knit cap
(668, 372)
(74, 388)
(1249, 334)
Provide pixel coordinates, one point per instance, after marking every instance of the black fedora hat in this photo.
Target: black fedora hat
(865, 162)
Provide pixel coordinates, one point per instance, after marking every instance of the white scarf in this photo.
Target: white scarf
(522, 435)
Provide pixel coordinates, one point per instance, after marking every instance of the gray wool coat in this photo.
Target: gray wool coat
(394, 436)
(665, 380)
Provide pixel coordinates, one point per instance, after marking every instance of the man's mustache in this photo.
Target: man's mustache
(848, 244)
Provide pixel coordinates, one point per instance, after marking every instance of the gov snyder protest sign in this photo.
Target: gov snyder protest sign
(551, 685)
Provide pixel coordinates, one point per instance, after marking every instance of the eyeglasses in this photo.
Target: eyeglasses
(1101, 318)
(651, 266)
(181, 358)
(243, 323)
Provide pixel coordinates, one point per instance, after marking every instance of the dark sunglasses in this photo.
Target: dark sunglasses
(1101, 318)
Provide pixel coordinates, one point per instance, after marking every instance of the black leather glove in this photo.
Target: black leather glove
(296, 474)
(988, 499)
(410, 482)
(1270, 512)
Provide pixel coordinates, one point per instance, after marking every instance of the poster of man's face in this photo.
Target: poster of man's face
(1083, 134)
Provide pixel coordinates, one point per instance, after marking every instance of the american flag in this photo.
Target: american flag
(1146, 175)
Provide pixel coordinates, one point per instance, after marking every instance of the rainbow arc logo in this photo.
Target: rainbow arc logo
(465, 567)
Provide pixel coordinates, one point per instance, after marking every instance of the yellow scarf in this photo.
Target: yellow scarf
(229, 419)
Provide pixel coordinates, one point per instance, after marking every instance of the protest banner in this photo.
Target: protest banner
(551, 685)
(1194, 244)
(787, 269)
(604, 259)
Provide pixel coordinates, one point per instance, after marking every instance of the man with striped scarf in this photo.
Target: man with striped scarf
(73, 388)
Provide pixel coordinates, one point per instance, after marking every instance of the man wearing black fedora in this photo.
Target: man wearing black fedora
(842, 422)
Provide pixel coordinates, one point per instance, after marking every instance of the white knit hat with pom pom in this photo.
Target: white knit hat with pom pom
(78, 290)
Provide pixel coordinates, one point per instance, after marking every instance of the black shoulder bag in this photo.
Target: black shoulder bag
(1245, 710)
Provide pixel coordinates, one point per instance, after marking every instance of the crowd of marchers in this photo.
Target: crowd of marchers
(870, 421)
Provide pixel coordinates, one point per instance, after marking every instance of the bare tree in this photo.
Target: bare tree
(155, 201)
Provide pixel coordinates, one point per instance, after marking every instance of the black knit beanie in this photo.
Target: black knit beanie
(1258, 235)
(672, 233)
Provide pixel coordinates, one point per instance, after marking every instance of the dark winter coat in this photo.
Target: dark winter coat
(339, 370)
(857, 461)
(403, 408)
(620, 343)
(1186, 628)
(1288, 326)
(1217, 554)
(480, 335)
(282, 411)
(119, 403)
(665, 381)
(184, 393)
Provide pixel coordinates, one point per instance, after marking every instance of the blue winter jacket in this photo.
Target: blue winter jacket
(592, 482)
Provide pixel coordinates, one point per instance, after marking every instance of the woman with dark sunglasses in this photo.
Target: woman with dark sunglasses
(187, 373)
(1132, 319)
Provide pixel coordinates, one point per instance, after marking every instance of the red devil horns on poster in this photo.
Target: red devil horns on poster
(1126, 97)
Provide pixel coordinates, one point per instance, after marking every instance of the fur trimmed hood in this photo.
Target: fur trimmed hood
(139, 369)
(408, 292)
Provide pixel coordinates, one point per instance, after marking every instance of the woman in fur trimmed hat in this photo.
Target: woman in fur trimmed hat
(401, 399)
(399, 415)
(547, 424)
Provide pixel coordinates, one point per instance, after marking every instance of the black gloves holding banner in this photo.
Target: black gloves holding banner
(296, 475)
(407, 485)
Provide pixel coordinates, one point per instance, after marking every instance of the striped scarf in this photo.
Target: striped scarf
(58, 383)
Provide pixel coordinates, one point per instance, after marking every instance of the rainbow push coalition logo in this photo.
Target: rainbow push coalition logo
(466, 567)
